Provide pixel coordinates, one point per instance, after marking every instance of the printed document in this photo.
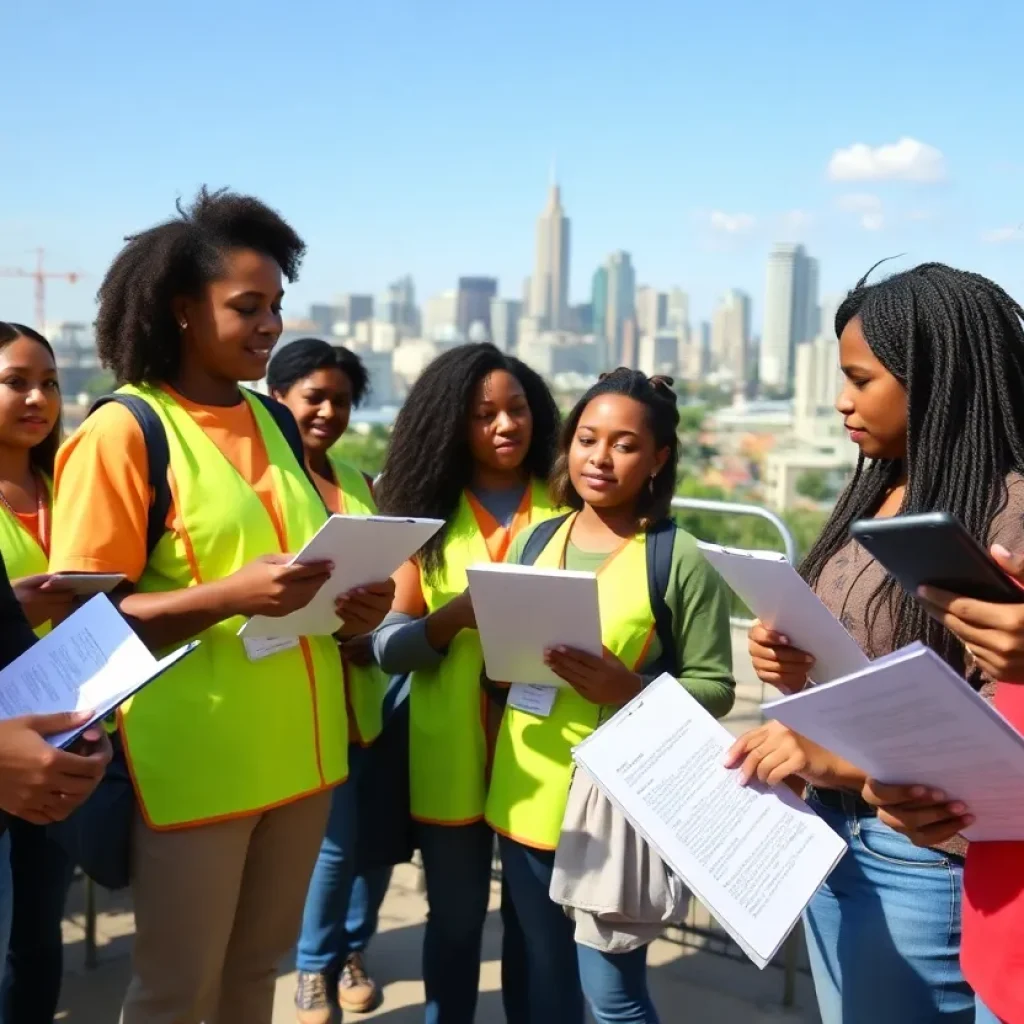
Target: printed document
(92, 661)
(754, 856)
(364, 549)
(776, 593)
(910, 718)
(522, 611)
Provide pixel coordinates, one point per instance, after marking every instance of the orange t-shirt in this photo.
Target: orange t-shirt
(30, 521)
(102, 491)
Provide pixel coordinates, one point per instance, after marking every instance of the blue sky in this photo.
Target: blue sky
(417, 135)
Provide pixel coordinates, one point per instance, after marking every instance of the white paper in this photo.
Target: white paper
(522, 611)
(776, 593)
(754, 856)
(910, 718)
(364, 549)
(88, 583)
(259, 647)
(533, 699)
(92, 661)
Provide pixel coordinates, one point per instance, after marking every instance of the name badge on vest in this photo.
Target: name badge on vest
(259, 647)
(532, 698)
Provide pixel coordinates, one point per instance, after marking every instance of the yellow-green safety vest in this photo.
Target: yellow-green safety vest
(532, 761)
(220, 735)
(364, 686)
(22, 553)
(447, 742)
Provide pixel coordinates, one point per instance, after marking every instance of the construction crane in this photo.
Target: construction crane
(40, 275)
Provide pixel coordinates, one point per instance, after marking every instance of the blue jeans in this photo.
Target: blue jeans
(559, 973)
(983, 1015)
(457, 872)
(883, 933)
(341, 912)
(6, 895)
(42, 872)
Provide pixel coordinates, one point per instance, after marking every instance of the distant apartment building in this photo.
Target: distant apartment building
(790, 313)
(473, 305)
(730, 337)
(439, 317)
(651, 310)
(659, 353)
(505, 317)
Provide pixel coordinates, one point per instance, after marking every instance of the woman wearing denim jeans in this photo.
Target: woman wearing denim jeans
(933, 360)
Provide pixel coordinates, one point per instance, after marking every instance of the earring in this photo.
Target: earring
(183, 324)
(650, 483)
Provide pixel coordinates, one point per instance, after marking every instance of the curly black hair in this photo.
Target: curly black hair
(429, 465)
(44, 454)
(304, 356)
(955, 341)
(136, 333)
(656, 394)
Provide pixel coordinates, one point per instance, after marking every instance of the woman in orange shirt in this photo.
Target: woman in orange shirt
(235, 751)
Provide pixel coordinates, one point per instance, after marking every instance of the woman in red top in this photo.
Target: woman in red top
(992, 946)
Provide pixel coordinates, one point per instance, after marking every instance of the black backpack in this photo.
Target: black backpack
(660, 540)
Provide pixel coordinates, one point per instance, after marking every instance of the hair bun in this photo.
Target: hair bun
(662, 384)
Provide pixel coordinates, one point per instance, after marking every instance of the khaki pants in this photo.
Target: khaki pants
(216, 909)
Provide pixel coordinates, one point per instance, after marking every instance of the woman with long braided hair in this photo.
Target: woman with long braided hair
(934, 364)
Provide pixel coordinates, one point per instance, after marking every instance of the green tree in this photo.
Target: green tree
(101, 383)
(815, 485)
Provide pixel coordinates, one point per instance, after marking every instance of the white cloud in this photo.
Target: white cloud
(906, 160)
(867, 207)
(998, 236)
(731, 223)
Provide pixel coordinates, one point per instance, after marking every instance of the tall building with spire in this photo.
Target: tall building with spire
(549, 286)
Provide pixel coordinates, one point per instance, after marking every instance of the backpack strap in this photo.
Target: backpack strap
(661, 538)
(282, 416)
(158, 456)
(539, 539)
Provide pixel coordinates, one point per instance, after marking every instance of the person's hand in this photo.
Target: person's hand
(270, 586)
(776, 662)
(601, 680)
(992, 633)
(362, 610)
(773, 753)
(925, 816)
(358, 651)
(44, 598)
(40, 783)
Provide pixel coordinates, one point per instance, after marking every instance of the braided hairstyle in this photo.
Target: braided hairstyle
(429, 464)
(136, 333)
(656, 394)
(955, 341)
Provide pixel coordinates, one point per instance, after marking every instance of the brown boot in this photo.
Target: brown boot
(312, 1004)
(357, 991)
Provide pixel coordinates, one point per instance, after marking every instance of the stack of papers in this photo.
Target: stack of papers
(92, 661)
(776, 593)
(754, 856)
(364, 549)
(909, 718)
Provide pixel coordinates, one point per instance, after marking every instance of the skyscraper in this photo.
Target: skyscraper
(790, 312)
(439, 317)
(730, 336)
(549, 286)
(473, 305)
(599, 303)
(621, 302)
(677, 313)
(397, 306)
(355, 309)
(505, 316)
(651, 310)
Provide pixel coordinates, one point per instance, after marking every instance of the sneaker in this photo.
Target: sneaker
(311, 1001)
(357, 991)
